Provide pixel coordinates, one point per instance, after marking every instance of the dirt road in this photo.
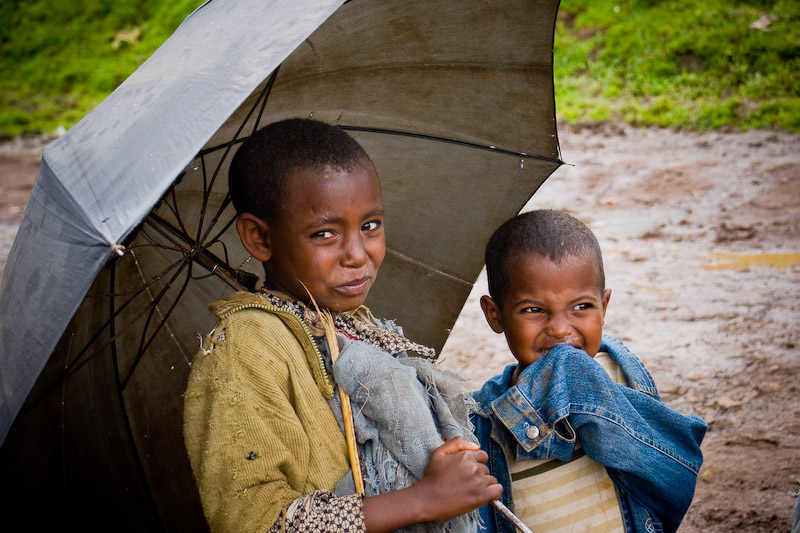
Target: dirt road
(701, 238)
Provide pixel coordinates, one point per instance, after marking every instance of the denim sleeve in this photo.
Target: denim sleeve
(651, 451)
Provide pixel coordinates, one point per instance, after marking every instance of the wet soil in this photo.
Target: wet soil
(701, 241)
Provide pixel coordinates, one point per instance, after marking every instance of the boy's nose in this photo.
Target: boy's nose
(354, 253)
(558, 327)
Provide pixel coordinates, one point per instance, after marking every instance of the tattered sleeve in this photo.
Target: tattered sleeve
(260, 435)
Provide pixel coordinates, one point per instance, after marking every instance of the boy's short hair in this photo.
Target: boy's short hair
(544, 232)
(258, 170)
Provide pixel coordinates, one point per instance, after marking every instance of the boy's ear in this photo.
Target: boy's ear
(492, 313)
(254, 234)
(606, 298)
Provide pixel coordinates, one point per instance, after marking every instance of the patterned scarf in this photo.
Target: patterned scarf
(385, 339)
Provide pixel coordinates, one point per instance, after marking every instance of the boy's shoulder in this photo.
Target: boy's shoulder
(247, 325)
(632, 367)
(255, 335)
(252, 308)
(235, 302)
(493, 389)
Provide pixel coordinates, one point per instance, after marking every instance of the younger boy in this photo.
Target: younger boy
(575, 431)
(262, 412)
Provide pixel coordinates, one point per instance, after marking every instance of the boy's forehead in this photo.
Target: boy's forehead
(531, 259)
(314, 184)
(308, 176)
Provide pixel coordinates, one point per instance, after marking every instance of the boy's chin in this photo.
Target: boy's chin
(340, 304)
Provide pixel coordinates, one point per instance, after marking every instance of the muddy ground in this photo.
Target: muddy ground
(701, 239)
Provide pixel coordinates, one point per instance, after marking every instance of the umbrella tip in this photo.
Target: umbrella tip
(118, 248)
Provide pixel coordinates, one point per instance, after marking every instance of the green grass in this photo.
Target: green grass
(689, 64)
(693, 64)
(60, 58)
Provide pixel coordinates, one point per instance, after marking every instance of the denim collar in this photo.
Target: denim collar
(634, 370)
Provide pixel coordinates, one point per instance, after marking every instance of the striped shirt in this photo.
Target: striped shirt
(551, 496)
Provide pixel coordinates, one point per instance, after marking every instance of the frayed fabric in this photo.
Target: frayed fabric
(403, 409)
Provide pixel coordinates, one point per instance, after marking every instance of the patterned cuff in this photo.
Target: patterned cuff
(322, 511)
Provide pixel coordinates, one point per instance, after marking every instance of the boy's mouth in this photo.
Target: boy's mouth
(569, 341)
(355, 287)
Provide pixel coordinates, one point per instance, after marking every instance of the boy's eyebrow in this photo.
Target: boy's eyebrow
(527, 301)
(322, 220)
(375, 213)
(531, 301)
(586, 297)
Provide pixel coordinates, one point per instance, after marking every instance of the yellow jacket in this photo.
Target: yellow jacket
(257, 426)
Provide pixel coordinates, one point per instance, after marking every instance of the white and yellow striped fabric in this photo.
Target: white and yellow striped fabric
(554, 497)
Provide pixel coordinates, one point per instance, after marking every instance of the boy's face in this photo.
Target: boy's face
(329, 236)
(546, 304)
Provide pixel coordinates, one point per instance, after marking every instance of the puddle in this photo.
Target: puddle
(745, 261)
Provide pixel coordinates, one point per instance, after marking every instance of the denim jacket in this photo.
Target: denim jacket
(650, 451)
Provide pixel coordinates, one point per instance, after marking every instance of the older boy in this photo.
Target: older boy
(260, 417)
(575, 431)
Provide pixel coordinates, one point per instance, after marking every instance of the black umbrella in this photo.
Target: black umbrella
(127, 236)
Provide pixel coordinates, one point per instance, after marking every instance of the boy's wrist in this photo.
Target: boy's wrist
(397, 509)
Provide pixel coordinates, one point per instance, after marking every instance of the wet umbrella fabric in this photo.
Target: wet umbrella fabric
(127, 235)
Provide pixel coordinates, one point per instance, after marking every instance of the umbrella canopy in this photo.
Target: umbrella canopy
(127, 235)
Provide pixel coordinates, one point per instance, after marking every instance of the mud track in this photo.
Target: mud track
(701, 238)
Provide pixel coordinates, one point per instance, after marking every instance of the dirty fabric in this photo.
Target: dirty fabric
(403, 409)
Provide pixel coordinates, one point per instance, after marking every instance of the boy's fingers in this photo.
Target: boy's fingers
(457, 444)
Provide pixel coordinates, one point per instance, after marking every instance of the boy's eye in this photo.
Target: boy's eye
(584, 306)
(532, 310)
(371, 226)
(324, 234)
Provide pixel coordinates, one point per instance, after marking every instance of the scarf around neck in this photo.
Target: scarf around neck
(386, 339)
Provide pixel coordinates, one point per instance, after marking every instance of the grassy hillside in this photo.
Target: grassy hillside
(680, 63)
(60, 58)
(698, 64)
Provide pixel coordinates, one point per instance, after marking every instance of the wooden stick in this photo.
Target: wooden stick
(347, 411)
(511, 517)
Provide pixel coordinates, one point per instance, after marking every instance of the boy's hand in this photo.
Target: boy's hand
(457, 479)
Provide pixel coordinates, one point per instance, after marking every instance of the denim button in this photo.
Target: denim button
(532, 432)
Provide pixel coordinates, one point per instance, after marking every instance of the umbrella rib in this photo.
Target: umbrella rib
(262, 99)
(143, 346)
(72, 367)
(203, 256)
(266, 91)
(173, 206)
(120, 398)
(79, 362)
(426, 266)
(206, 192)
(152, 243)
(205, 177)
(221, 232)
(217, 216)
(176, 211)
(437, 138)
